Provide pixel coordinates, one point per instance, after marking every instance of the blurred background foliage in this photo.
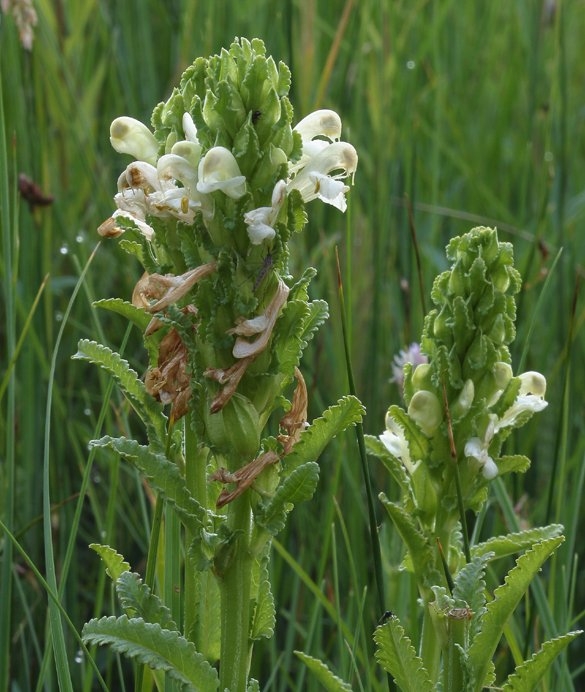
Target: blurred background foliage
(463, 114)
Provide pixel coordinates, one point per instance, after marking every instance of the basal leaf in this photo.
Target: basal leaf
(114, 562)
(323, 674)
(151, 645)
(396, 654)
(163, 475)
(137, 600)
(503, 546)
(527, 675)
(133, 314)
(506, 598)
(298, 486)
(149, 410)
(346, 412)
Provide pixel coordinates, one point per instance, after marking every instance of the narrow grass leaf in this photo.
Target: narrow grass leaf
(155, 647)
(527, 675)
(323, 674)
(396, 654)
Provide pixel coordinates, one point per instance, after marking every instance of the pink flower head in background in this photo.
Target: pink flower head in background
(413, 355)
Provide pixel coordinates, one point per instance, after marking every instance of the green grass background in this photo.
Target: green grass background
(463, 114)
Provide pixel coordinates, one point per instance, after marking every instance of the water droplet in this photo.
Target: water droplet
(78, 656)
(87, 411)
(80, 237)
(410, 65)
(64, 249)
(58, 317)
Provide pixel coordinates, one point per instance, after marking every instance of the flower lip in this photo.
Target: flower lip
(130, 136)
(325, 123)
(219, 170)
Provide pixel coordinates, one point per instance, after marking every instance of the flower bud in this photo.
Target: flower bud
(425, 410)
(234, 429)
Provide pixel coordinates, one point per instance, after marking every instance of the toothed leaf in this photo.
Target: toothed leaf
(323, 674)
(114, 562)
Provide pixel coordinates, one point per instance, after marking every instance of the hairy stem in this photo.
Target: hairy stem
(235, 589)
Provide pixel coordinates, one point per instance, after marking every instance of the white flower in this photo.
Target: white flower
(530, 400)
(322, 174)
(130, 136)
(219, 170)
(394, 439)
(324, 162)
(189, 128)
(261, 221)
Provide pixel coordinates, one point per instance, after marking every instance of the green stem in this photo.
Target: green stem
(235, 589)
(430, 645)
(196, 482)
(457, 627)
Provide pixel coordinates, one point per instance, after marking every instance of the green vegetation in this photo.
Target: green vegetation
(463, 114)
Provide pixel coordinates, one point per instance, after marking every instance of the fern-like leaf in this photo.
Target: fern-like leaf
(323, 674)
(136, 315)
(149, 410)
(137, 600)
(506, 598)
(346, 412)
(528, 674)
(299, 486)
(163, 475)
(503, 546)
(155, 647)
(114, 562)
(396, 654)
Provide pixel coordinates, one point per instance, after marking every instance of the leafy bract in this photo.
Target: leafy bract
(136, 315)
(155, 647)
(164, 477)
(506, 598)
(396, 654)
(528, 674)
(114, 562)
(346, 412)
(297, 487)
(149, 410)
(323, 674)
(137, 600)
(503, 546)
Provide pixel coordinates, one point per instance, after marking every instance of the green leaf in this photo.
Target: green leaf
(396, 654)
(163, 475)
(394, 466)
(469, 588)
(513, 463)
(348, 411)
(133, 314)
(506, 598)
(503, 546)
(155, 647)
(137, 600)
(420, 552)
(114, 562)
(298, 486)
(329, 681)
(528, 674)
(149, 410)
(264, 613)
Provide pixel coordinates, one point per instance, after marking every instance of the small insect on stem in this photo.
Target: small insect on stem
(264, 269)
(256, 115)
